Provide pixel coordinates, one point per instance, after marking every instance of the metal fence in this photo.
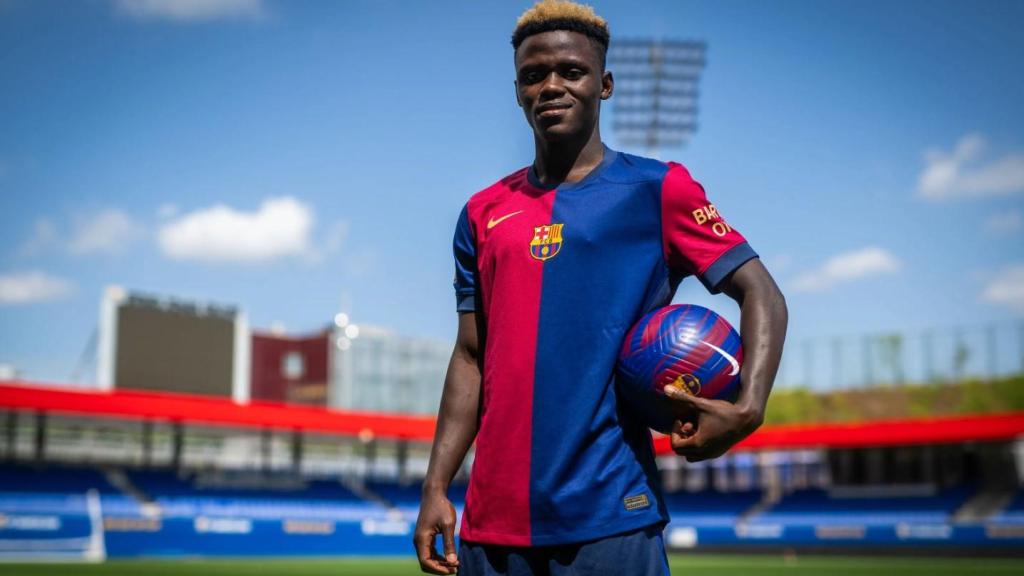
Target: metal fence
(952, 354)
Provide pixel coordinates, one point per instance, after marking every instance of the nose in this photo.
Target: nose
(552, 87)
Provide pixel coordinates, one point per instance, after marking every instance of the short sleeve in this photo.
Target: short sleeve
(695, 237)
(464, 247)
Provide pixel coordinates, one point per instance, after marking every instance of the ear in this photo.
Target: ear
(607, 85)
(515, 84)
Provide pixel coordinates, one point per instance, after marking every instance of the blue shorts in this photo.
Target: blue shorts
(639, 553)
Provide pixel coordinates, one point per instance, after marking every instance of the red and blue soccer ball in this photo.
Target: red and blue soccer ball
(685, 346)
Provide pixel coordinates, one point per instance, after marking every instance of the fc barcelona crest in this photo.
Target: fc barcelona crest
(687, 383)
(547, 241)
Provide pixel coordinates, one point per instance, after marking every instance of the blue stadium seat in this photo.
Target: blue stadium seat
(53, 479)
(817, 507)
(709, 508)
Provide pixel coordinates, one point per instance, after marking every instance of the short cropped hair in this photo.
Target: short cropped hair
(548, 15)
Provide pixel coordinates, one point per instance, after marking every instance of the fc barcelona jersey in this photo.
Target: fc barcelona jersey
(559, 276)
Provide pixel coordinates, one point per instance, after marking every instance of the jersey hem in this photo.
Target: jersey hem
(465, 302)
(725, 264)
(571, 537)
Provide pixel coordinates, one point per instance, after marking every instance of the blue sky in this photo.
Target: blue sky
(297, 157)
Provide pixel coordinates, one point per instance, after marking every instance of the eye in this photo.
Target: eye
(573, 74)
(531, 76)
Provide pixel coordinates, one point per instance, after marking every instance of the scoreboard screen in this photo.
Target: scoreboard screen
(172, 346)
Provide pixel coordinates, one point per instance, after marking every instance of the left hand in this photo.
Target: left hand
(718, 425)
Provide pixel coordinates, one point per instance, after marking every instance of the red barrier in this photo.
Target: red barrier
(190, 409)
(940, 430)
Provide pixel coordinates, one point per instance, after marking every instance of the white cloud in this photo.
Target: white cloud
(109, 231)
(44, 236)
(847, 267)
(1007, 288)
(1004, 222)
(778, 263)
(332, 241)
(967, 173)
(106, 232)
(280, 228)
(190, 10)
(167, 210)
(33, 286)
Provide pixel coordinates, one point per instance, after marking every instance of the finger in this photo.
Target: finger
(684, 429)
(703, 453)
(695, 402)
(449, 545)
(687, 444)
(430, 560)
(683, 446)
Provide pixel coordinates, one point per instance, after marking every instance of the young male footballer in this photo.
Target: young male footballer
(554, 263)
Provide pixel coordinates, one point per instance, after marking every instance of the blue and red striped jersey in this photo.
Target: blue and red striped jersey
(559, 276)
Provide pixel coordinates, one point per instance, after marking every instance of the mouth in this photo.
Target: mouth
(552, 109)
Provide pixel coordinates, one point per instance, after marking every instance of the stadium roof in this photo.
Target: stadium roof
(203, 410)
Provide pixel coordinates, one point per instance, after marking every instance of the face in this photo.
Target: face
(560, 84)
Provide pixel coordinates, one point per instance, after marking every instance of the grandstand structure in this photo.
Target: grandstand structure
(92, 474)
(171, 344)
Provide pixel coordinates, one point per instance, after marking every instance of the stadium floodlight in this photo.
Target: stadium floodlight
(352, 331)
(656, 89)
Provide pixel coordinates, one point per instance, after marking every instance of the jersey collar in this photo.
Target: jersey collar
(609, 157)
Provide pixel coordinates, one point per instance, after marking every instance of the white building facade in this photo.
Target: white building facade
(374, 369)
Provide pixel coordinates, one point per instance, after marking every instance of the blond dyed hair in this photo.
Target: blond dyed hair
(548, 15)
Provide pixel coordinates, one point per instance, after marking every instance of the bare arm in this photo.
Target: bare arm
(763, 320)
(457, 423)
(719, 425)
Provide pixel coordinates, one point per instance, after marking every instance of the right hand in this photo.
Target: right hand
(437, 516)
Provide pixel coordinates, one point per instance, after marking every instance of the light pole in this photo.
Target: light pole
(656, 89)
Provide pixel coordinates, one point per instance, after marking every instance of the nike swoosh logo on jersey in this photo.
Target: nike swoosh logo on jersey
(492, 222)
(735, 364)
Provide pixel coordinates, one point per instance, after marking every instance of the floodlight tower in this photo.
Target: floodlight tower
(656, 88)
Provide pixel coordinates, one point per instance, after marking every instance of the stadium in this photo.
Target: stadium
(226, 255)
(934, 486)
(135, 472)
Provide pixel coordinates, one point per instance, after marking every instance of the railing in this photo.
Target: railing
(936, 356)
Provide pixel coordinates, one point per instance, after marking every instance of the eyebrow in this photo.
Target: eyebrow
(560, 61)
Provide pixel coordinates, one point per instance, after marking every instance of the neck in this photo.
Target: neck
(567, 160)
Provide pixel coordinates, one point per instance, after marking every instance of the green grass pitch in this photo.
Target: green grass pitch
(695, 565)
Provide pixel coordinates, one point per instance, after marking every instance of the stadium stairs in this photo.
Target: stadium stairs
(984, 506)
(1013, 513)
(403, 496)
(118, 479)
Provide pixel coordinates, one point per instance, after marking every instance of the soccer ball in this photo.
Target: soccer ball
(685, 346)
